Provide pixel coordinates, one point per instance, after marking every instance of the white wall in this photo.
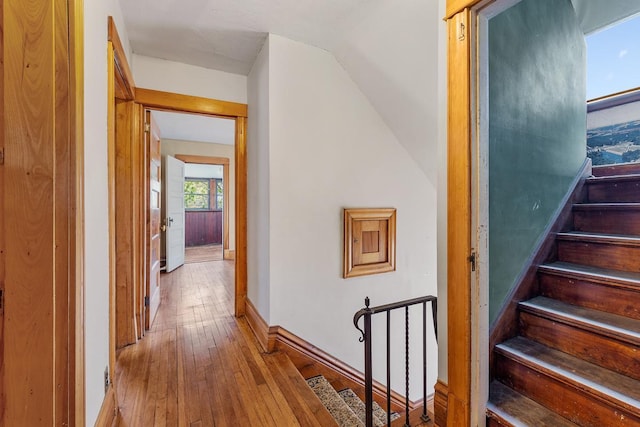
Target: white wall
(96, 198)
(170, 76)
(614, 115)
(392, 56)
(442, 196)
(172, 147)
(258, 211)
(329, 149)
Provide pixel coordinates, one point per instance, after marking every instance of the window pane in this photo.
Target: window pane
(196, 201)
(219, 200)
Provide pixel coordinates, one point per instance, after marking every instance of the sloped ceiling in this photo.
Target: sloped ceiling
(596, 15)
(389, 48)
(227, 35)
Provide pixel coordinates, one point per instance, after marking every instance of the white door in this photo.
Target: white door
(174, 221)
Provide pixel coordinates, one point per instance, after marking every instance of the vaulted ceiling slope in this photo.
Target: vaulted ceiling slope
(389, 48)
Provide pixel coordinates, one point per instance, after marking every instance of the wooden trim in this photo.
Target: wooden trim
(440, 404)
(459, 218)
(41, 271)
(506, 323)
(125, 88)
(241, 215)
(307, 357)
(224, 161)
(203, 160)
(189, 104)
(111, 161)
(456, 6)
(108, 411)
(352, 266)
(76, 263)
(304, 353)
(229, 254)
(264, 334)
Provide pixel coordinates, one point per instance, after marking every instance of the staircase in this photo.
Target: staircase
(345, 406)
(576, 357)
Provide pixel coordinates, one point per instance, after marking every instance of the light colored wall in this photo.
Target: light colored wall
(176, 77)
(442, 196)
(329, 149)
(258, 196)
(391, 54)
(96, 198)
(172, 147)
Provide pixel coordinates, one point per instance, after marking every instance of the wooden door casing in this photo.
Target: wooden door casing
(152, 144)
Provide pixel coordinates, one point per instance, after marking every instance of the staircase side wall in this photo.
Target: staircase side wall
(537, 128)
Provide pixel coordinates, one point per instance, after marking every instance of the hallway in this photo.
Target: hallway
(199, 366)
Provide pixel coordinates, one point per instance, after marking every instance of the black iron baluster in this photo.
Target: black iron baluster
(388, 368)
(424, 417)
(406, 366)
(367, 312)
(368, 380)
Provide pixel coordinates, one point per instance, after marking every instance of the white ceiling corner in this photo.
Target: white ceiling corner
(195, 128)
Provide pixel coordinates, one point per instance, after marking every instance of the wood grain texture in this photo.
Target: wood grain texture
(203, 228)
(2, 223)
(608, 218)
(125, 89)
(127, 325)
(200, 366)
(456, 6)
(614, 170)
(440, 404)
(108, 414)
(569, 386)
(459, 221)
(39, 232)
(189, 104)
(152, 196)
(614, 189)
(241, 215)
(602, 290)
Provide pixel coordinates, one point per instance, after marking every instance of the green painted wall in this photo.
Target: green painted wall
(537, 128)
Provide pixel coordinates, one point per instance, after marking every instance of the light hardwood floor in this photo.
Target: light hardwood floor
(200, 366)
(203, 253)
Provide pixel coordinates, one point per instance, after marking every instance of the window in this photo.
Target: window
(204, 194)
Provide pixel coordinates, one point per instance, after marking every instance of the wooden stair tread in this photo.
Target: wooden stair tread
(513, 408)
(622, 328)
(606, 206)
(612, 178)
(582, 236)
(595, 274)
(599, 382)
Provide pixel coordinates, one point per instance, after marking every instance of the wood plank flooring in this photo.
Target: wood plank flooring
(199, 366)
(202, 253)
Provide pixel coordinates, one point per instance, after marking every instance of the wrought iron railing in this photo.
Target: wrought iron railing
(367, 312)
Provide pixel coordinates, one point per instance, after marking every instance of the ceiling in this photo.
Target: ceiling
(192, 127)
(227, 35)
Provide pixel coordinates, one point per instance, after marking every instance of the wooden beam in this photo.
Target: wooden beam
(459, 220)
(189, 104)
(203, 160)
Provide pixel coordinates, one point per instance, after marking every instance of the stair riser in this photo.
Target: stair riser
(587, 345)
(607, 221)
(605, 255)
(614, 192)
(610, 170)
(562, 398)
(621, 301)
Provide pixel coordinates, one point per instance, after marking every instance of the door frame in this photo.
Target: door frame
(173, 102)
(467, 333)
(224, 161)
